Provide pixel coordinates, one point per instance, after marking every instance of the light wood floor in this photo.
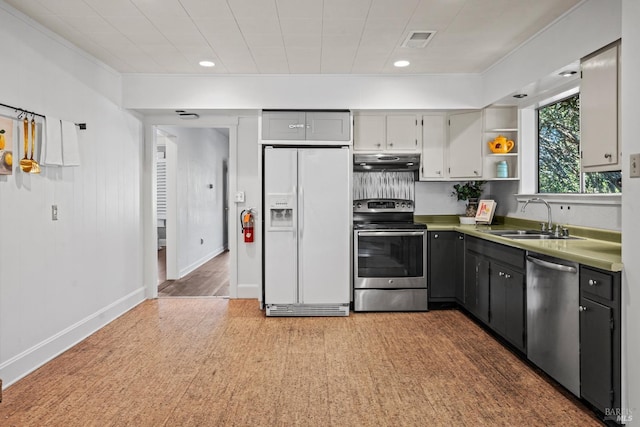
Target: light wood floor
(210, 279)
(216, 362)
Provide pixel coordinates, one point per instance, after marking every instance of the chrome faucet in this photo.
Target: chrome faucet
(541, 200)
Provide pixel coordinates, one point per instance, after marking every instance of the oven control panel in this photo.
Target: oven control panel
(382, 205)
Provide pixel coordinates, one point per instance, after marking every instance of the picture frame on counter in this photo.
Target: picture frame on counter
(486, 209)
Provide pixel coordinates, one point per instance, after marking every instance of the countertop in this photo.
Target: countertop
(596, 248)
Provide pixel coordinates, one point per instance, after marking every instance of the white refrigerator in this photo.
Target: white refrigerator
(307, 230)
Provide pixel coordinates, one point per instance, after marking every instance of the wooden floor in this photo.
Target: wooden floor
(217, 362)
(210, 279)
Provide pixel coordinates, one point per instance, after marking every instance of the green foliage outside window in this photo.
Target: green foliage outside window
(559, 153)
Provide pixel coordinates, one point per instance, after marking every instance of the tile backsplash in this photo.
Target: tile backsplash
(383, 185)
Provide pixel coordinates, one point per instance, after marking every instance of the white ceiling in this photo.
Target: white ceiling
(294, 36)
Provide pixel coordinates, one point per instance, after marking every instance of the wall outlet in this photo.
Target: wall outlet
(634, 165)
(240, 197)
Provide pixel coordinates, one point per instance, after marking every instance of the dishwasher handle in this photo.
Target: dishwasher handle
(552, 265)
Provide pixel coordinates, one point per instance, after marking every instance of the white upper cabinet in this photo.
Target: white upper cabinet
(369, 133)
(599, 111)
(328, 126)
(306, 126)
(465, 149)
(402, 133)
(433, 146)
(385, 132)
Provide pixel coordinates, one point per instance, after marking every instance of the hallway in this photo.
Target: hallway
(210, 279)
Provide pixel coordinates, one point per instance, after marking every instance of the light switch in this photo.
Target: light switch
(54, 212)
(240, 197)
(634, 166)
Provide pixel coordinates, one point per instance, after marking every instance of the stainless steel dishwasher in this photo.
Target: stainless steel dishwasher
(553, 321)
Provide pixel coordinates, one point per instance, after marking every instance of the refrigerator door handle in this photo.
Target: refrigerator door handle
(300, 211)
(299, 290)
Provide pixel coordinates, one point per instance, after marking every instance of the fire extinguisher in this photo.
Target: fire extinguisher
(247, 220)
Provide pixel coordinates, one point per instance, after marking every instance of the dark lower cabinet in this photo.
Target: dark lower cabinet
(600, 339)
(494, 288)
(489, 280)
(476, 285)
(507, 304)
(445, 266)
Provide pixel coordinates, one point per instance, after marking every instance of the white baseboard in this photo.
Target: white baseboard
(31, 359)
(248, 290)
(183, 272)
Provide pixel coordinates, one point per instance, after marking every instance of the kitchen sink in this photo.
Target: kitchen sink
(539, 236)
(529, 235)
(513, 232)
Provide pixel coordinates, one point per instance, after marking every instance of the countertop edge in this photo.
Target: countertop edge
(561, 248)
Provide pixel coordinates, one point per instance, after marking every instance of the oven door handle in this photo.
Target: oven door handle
(389, 233)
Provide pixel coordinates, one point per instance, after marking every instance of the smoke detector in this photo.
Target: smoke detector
(418, 39)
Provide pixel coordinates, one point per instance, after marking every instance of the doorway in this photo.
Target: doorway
(191, 204)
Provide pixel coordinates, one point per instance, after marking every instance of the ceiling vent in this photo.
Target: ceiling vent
(189, 116)
(418, 39)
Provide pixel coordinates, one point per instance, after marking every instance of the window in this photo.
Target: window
(559, 153)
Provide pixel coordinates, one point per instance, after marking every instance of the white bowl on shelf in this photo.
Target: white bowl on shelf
(467, 220)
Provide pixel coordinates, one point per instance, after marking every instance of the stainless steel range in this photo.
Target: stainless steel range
(390, 257)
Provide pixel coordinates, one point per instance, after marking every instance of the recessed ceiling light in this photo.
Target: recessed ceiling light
(519, 95)
(567, 73)
(207, 64)
(401, 63)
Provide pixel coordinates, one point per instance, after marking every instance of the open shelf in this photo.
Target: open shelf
(500, 121)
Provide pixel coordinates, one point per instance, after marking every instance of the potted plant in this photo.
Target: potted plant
(470, 192)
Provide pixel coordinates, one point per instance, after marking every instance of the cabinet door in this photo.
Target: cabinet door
(465, 149)
(507, 303)
(596, 344)
(599, 109)
(514, 308)
(328, 126)
(283, 125)
(498, 299)
(476, 286)
(470, 280)
(460, 267)
(442, 265)
(402, 133)
(369, 133)
(433, 139)
(482, 290)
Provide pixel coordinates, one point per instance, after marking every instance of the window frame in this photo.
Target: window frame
(560, 97)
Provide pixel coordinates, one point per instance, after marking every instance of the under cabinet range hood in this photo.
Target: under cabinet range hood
(386, 162)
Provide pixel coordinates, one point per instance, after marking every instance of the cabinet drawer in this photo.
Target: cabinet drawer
(596, 283)
(505, 254)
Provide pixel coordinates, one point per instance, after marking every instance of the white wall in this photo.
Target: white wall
(249, 277)
(62, 280)
(302, 91)
(586, 211)
(201, 153)
(434, 198)
(631, 205)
